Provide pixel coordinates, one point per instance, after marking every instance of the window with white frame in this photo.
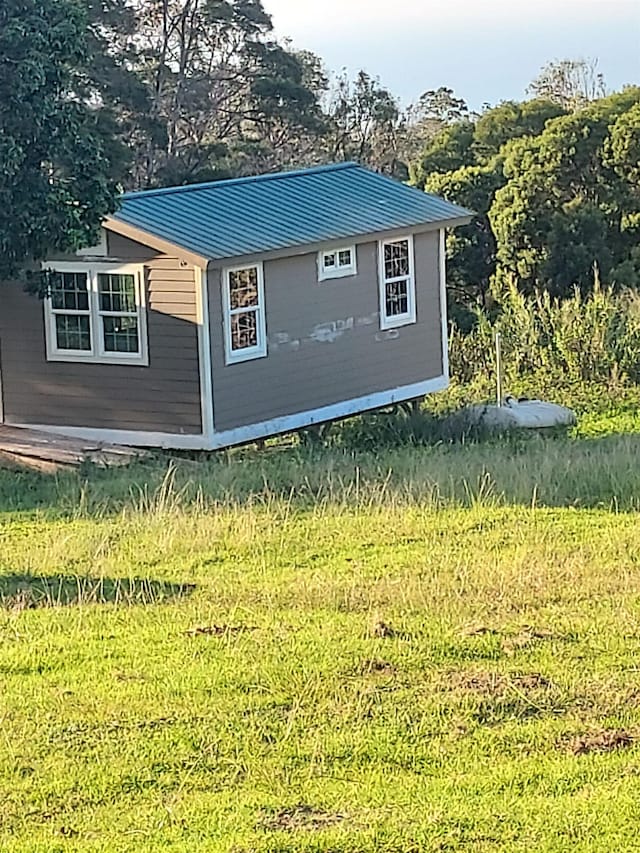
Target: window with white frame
(244, 314)
(337, 263)
(397, 283)
(96, 313)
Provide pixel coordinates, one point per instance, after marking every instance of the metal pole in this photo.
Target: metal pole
(499, 369)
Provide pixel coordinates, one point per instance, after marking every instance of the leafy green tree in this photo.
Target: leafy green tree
(449, 150)
(570, 200)
(56, 176)
(471, 249)
(511, 120)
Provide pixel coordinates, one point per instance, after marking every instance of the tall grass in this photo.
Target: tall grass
(585, 347)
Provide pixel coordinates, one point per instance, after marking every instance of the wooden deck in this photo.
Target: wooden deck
(49, 453)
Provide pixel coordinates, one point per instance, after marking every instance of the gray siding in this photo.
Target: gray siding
(324, 340)
(163, 397)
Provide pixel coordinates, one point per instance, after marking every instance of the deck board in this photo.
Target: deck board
(21, 447)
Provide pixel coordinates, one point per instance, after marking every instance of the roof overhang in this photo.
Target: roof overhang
(307, 248)
(148, 239)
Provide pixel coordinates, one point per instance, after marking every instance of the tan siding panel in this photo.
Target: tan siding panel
(325, 342)
(164, 397)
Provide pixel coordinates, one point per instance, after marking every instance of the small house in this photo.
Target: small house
(216, 314)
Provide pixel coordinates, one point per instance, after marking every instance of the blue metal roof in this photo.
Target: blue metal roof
(245, 216)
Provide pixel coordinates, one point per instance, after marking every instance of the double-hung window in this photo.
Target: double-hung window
(244, 313)
(397, 283)
(337, 263)
(96, 313)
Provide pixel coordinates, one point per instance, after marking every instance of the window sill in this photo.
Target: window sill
(125, 361)
(396, 322)
(239, 358)
(330, 276)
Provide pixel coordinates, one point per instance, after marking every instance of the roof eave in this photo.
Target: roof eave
(363, 237)
(146, 238)
(167, 247)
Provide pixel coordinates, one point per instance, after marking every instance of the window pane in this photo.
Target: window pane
(69, 290)
(73, 332)
(397, 298)
(117, 292)
(120, 334)
(396, 259)
(329, 260)
(344, 258)
(244, 330)
(243, 288)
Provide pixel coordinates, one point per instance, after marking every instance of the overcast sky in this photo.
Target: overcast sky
(486, 50)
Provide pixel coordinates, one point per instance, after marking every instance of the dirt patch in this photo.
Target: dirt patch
(528, 636)
(476, 631)
(218, 630)
(380, 630)
(531, 681)
(476, 682)
(494, 682)
(301, 817)
(376, 666)
(604, 741)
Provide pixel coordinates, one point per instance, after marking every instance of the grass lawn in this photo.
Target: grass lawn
(425, 650)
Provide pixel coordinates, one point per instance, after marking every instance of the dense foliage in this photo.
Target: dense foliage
(556, 193)
(56, 157)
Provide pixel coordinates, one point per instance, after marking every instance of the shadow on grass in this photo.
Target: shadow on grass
(25, 591)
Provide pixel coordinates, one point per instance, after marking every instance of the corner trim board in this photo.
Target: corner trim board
(204, 351)
(443, 303)
(252, 432)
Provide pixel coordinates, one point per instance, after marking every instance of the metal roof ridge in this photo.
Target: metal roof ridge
(226, 182)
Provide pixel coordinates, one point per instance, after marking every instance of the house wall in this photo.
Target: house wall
(163, 397)
(325, 345)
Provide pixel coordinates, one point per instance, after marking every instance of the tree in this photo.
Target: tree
(201, 90)
(56, 178)
(434, 110)
(471, 249)
(364, 123)
(510, 120)
(449, 150)
(570, 200)
(571, 83)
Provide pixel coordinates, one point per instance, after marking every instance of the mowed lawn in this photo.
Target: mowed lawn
(423, 650)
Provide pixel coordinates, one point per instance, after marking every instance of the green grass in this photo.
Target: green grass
(510, 573)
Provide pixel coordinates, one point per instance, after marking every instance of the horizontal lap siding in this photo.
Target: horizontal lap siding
(302, 371)
(163, 397)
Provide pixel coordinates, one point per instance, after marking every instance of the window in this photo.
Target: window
(337, 263)
(397, 283)
(96, 313)
(244, 315)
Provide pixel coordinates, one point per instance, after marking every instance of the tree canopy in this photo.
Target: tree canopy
(57, 177)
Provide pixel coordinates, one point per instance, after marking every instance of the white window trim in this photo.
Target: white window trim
(325, 273)
(249, 353)
(409, 317)
(97, 353)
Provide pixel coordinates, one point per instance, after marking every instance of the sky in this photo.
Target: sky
(486, 50)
